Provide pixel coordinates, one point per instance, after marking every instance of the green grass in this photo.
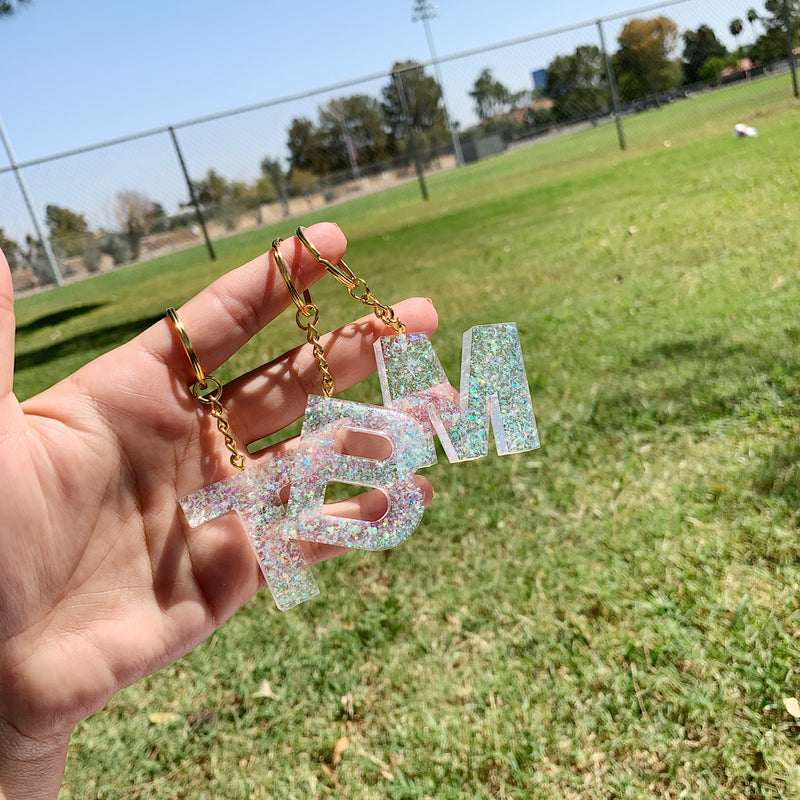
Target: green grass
(615, 615)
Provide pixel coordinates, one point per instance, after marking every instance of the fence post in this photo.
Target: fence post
(410, 130)
(192, 195)
(787, 21)
(45, 242)
(612, 84)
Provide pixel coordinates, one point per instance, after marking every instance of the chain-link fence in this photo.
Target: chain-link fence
(71, 214)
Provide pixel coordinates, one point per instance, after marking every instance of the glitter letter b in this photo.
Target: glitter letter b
(317, 463)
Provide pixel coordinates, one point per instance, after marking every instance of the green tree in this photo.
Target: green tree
(771, 45)
(303, 183)
(489, 96)
(736, 28)
(211, 190)
(354, 131)
(11, 249)
(272, 171)
(645, 62)
(711, 70)
(423, 97)
(775, 12)
(306, 147)
(578, 85)
(9, 7)
(752, 18)
(221, 199)
(68, 230)
(699, 46)
(138, 216)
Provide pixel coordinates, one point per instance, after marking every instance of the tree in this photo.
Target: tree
(272, 171)
(354, 131)
(303, 183)
(578, 85)
(711, 70)
(776, 14)
(306, 147)
(138, 216)
(68, 229)
(211, 190)
(423, 100)
(771, 45)
(11, 249)
(644, 63)
(752, 18)
(699, 47)
(489, 95)
(9, 7)
(221, 199)
(735, 28)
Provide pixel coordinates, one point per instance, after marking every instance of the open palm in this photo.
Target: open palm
(101, 579)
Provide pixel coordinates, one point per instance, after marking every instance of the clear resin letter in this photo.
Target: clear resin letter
(317, 463)
(494, 386)
(254, 496)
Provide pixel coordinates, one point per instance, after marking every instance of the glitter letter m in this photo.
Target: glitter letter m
(494, 387)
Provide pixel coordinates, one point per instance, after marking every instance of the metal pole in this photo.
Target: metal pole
(612, 83)
(197, 210)
(424, 15)
(787, 21)
(412, 139)
(45, 242)
(351, 150)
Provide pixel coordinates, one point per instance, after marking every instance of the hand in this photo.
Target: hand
(101, 580)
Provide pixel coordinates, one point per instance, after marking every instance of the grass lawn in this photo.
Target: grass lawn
(615, 615)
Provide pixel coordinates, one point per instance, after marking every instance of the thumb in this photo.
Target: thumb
(7, 329)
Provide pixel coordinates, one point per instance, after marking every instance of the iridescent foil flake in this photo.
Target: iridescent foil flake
(318, 463)
(254, 496)
(494, 386)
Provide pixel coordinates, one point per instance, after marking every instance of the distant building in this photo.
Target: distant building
(539, 78)
(743, 65)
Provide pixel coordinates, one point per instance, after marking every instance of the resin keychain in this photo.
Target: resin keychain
(494, 387)
(418, 402)
(275, 531)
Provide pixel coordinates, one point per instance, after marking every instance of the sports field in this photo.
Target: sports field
(613, 616)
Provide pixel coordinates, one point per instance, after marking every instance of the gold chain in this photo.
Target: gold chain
(307, 309)
(211, 399)
(312, 337)
(356, 287)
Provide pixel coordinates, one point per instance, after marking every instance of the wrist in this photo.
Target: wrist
(30, 769)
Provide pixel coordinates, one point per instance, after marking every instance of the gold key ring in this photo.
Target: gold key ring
(187, 347)
(212, 397)
(307, 309)
(303, 302)
(356, 287)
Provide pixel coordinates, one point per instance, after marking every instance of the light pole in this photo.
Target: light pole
(426, 11)
(347, 138)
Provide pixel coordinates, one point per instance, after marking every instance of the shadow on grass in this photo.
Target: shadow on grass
(90, 341)
(689, 382)
(57, 317)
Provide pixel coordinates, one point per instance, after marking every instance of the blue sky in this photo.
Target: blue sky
(81, 72)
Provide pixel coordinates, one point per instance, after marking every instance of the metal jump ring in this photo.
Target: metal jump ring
(188, 349)
(303, 302)
(340, 271)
